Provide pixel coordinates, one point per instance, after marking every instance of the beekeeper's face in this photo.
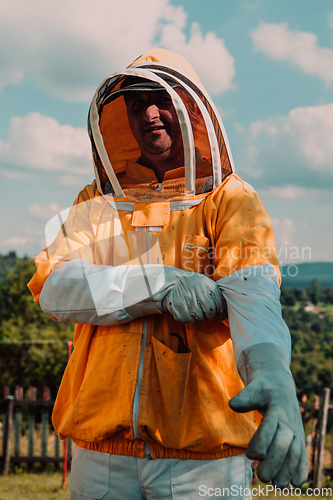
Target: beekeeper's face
(155, 125)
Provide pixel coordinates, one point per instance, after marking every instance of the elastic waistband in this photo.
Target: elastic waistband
(136, 448)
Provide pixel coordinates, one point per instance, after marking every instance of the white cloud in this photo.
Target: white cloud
(10, 174)
(69, 47)
(39, 142)
(16, 241)
(286, 192)
(208, 55)
(283, 231)
(250, 6)
(44, 212)
(291, 245)
(279, 42)
(293, 150)
(287, 244)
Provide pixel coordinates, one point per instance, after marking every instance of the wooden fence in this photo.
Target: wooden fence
(12, 408)
(318, 415)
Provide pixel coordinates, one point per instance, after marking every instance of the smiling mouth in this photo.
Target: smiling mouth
(155, 128)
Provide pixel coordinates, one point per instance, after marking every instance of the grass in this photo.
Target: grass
(302, 494)
(33, 486)
(38, 486)
(49, 486)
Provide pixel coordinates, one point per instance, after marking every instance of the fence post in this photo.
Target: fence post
(69, 450)
(322, 437)
(6, 393)
(45, 418)
(56, 445)
(31, 425)
(303, 408)
(18, 421)
(314, 437)
(332, 447)
(64, 471)
(8, 434)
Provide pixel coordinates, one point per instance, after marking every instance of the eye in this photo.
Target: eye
(165, 99)
(137, 104)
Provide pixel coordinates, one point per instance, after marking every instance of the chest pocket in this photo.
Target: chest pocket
(197, 255)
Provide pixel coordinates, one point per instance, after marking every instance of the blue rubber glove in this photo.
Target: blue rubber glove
(195, 297)
(279, 442)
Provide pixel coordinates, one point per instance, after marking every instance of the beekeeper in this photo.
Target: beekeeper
(167, 265)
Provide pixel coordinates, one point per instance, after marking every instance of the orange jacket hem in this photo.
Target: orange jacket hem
(136, 449)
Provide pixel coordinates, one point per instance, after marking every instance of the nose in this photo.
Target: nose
(152, 113)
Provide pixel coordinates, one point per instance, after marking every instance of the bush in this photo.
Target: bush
(33, 348)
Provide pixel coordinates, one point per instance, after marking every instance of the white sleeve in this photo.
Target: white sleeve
(254, 311)
(80, 292)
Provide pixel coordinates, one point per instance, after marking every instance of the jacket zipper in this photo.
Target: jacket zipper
(137, 393)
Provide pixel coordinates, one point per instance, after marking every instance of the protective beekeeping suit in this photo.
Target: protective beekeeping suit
(167, 265)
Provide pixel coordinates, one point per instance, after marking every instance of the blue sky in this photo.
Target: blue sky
(268, 66)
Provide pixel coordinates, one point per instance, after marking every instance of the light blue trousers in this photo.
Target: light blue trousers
(96, 475)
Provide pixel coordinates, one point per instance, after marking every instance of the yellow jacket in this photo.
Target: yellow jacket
(142, 376)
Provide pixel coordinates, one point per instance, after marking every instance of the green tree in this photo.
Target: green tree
(315, 291)
(33, 346)
(327, 295)
(7, 262)
(287, 296)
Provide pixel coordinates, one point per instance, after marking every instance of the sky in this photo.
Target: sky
(268, 65)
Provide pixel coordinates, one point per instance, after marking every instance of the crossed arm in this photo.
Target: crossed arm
(82, 292)
(103, 295)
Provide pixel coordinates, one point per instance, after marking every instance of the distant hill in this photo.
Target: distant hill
(299, 275)
(302, 274)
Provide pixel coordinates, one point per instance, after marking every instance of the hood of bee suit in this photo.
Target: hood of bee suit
(113, 143)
